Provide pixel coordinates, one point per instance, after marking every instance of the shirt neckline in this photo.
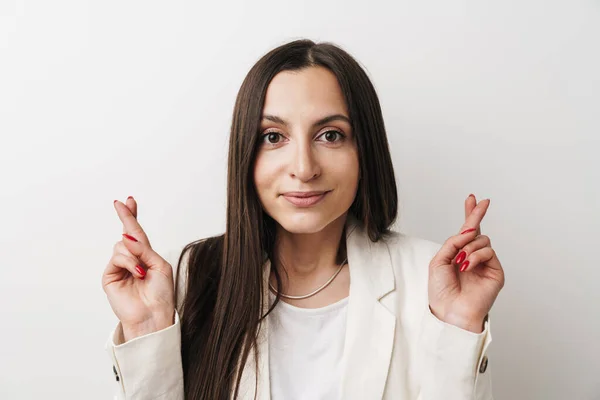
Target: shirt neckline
(309, 311)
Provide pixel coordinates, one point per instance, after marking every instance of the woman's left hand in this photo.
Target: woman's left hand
(464, 298)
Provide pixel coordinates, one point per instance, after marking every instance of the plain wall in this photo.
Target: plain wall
(101, 100)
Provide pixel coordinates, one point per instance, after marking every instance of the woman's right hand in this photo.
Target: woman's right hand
(142, 298)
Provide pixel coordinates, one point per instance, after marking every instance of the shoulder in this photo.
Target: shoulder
(410, 256)
(185, 259)
(400, 243)
(182, 257)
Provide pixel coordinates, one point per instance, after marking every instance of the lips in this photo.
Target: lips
(305, 194)
(305, 199)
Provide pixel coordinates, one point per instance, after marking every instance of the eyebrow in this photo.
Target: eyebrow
(322, 121)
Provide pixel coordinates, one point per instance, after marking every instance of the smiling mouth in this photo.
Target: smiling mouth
(305, 199)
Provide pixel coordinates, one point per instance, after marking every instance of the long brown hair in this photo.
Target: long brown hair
(224, 302)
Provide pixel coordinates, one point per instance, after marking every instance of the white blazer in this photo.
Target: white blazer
(395, 348)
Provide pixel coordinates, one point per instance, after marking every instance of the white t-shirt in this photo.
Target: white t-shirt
(305, 351)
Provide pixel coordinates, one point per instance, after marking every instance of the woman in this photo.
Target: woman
(308, 294)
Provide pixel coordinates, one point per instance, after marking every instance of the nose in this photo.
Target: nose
(304, 165)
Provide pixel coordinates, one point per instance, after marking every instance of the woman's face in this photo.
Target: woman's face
(306, 168)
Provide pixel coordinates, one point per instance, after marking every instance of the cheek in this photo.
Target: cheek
(346, 171)
(263, 175)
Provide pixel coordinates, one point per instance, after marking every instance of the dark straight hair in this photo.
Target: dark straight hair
(224, 303)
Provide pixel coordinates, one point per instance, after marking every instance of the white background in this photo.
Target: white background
(101, 100)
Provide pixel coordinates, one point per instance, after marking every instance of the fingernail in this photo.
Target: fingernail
(140, 270)
(130, 237)
(468, 230)
(464, 266)
(460, 257)
(471, 195)
(114, 202)
(130, 197)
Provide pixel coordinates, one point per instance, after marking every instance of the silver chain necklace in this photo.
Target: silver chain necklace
(316, 291)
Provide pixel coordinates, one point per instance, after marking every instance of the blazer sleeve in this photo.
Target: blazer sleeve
(149, 366)
(454, 361)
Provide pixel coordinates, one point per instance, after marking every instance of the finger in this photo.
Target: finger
(120, 248)
(452, 246)
(479, 242)
(120, 262)
(470, 204)
(485, 256)
(474, 219)
(130, 223)
(143, 252)
(449, 250)
(132, 205)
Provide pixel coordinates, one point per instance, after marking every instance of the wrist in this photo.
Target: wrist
(472, 324)
(151, 325)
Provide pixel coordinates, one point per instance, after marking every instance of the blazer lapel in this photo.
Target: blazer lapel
(370, 327)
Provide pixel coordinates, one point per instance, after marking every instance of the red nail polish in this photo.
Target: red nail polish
(140, 270)
(468, 230)
(114, 202)
(464, 266)
(130, 197)
(130, 237)
(460, 257)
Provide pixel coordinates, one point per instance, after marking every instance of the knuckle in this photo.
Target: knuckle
(119, 247)
(122, 260)
(488, 241)
(129, 261)
(122, 249)
(451, 241)
(138, 232)
(144, 253)
(148, 254)
(502, 280)
(168, 269)
(117, 259)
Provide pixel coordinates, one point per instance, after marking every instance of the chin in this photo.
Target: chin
(304, 222)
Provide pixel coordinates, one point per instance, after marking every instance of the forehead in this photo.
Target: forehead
(312, 91)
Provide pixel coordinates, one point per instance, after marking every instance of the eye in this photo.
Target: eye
(271, 137)
(331, 136)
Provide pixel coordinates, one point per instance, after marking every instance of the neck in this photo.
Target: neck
(305, 260)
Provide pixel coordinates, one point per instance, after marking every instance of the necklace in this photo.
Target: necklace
(316, 291)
